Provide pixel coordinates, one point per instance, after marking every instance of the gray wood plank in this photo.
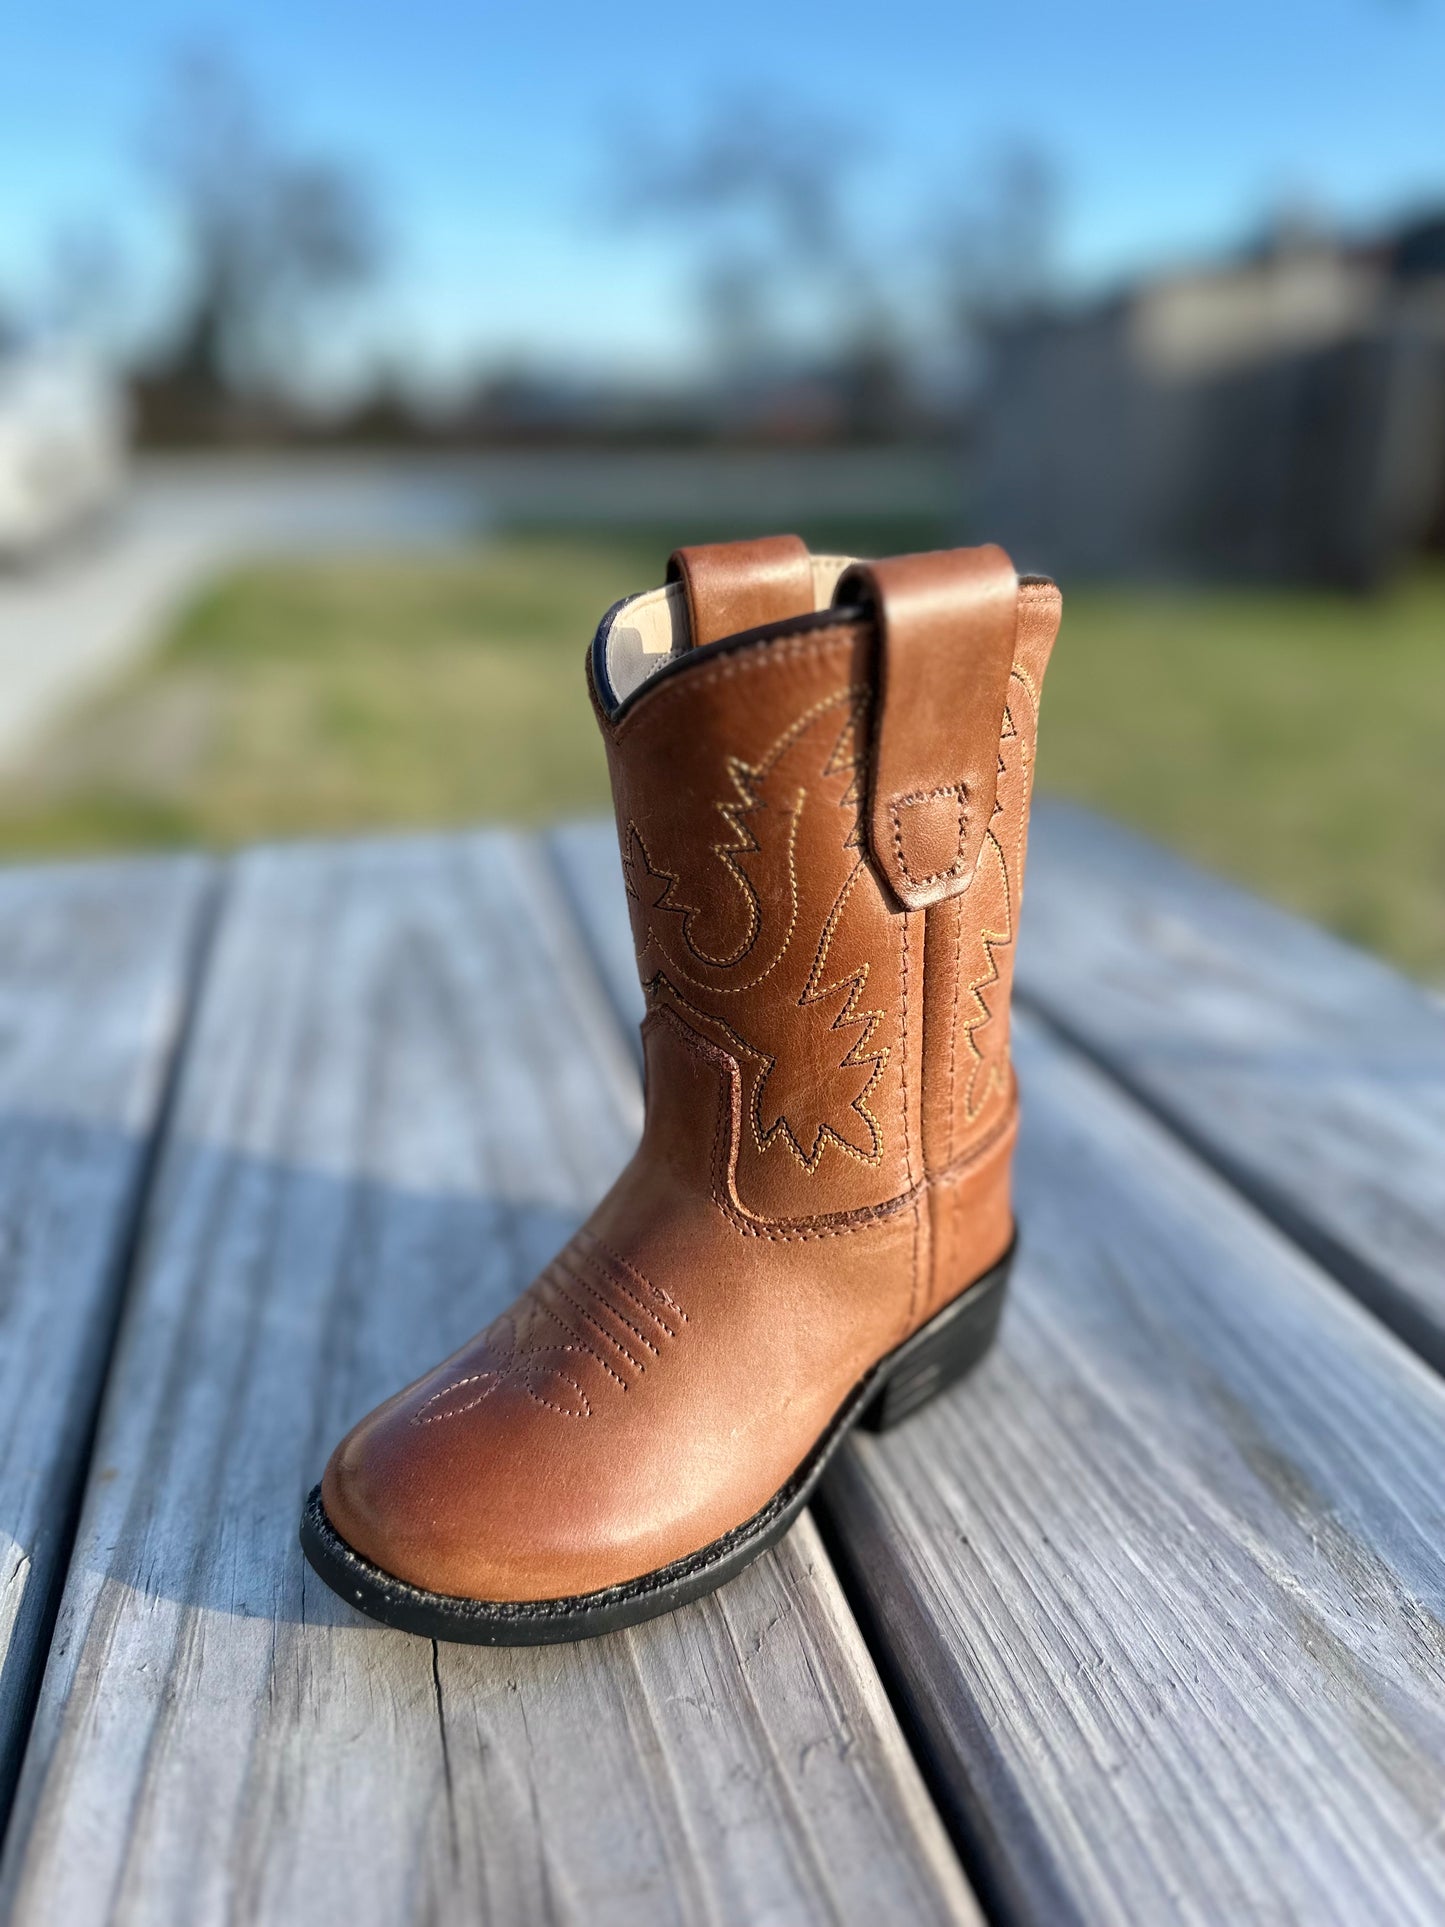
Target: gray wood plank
(1163, 1585)
(589, 868)
(402, 1090)
(1310, 1072)
(94, 965)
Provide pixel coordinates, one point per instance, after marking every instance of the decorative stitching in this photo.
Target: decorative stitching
(988, 938)
(1001, 1076)
(907, 1133)
(524, 1366)
(806, 1230)
(798, 1230)
(596, 1292)
(726, 1126)
(596, 1324)
(499, 1380)
(845, 756)
(646, 1283)
(517, 1367)
(896, 808)
(720, 963)
(856, 982)
(825, 1133)
(502, 1378)
(953, 1016)
(579, 1343)
(745, 778)
(492, 1381)
(589, 1259)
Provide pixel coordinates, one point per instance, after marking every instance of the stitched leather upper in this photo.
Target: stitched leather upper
(829, 1124)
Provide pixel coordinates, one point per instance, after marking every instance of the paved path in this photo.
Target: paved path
(82, 615)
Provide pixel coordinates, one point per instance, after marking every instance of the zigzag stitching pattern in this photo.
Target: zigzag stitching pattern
(844, 755)
(858, 1056)
(745, 777)
(990, 976)
(972, 1105)
(729, 990)
(855, 1058)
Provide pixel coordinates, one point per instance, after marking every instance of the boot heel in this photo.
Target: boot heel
(941, 1352)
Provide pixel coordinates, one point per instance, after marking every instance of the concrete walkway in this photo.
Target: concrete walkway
(80, 616)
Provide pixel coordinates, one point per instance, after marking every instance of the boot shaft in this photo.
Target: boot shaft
(823, 823)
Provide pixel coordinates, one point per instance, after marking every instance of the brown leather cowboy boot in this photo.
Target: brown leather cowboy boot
(822, 812)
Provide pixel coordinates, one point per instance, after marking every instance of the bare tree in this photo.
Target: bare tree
(787, 251)
(759, 194)
(998, 249)
(271, 237)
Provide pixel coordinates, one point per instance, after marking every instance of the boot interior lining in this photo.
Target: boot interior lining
(647, 631)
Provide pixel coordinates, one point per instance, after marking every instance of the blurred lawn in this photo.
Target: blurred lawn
(1294, 741)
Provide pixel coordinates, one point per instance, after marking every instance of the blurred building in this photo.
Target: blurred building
(1278, 416)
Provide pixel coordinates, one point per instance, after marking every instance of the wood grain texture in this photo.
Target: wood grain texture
(1163, 1584)
(589, 869)
(94, 966)
(402, 1090)
(1310, 1072)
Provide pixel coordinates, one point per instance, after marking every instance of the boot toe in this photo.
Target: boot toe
(498, 1505)
(414, 1513)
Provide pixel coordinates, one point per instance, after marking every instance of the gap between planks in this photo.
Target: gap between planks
(1160, 1594)
(1308, 1072)
(99, 963)
(402, 1090)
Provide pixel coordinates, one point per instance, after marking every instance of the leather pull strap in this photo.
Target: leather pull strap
(732, 586)
(946, 628)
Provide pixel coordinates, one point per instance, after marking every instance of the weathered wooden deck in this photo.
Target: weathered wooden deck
(1143, 1624)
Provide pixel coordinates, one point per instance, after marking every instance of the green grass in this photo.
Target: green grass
(1296, 742)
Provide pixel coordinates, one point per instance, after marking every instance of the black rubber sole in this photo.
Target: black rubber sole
(935, 1357)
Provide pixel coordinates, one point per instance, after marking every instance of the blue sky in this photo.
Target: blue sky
(485, 131)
